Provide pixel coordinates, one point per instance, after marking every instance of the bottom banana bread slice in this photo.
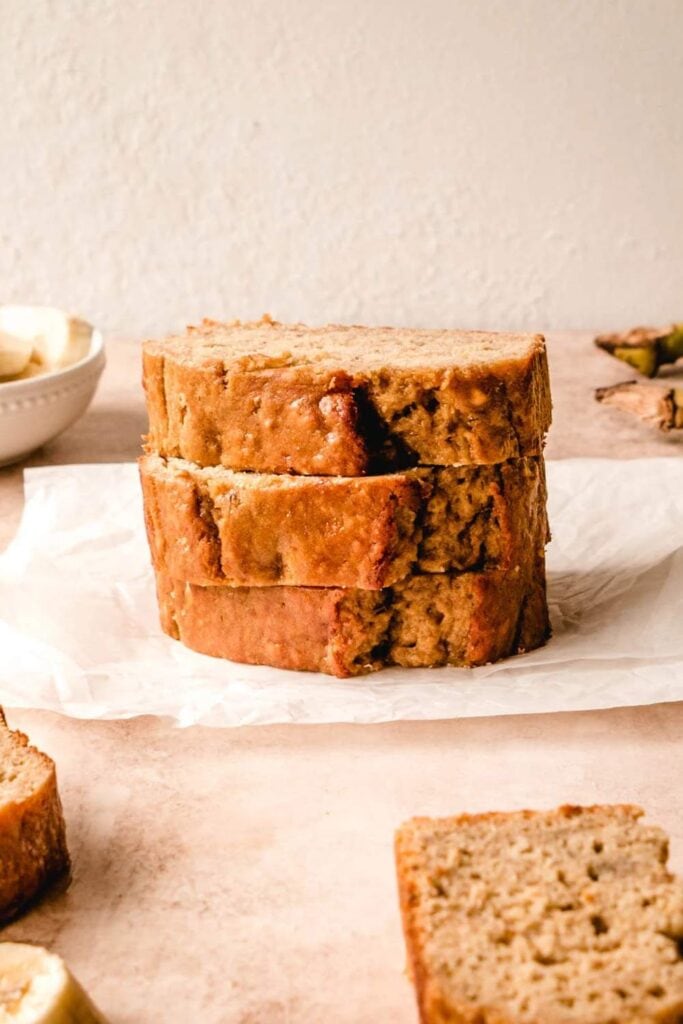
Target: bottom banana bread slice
(467, 619)
(567, 916)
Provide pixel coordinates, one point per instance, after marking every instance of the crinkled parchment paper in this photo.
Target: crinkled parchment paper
(79, 631)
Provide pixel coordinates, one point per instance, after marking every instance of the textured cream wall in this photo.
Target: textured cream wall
(446, 162)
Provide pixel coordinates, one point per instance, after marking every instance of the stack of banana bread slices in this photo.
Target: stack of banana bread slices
(339, 499)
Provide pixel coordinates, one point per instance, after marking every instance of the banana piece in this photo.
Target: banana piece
(34, 369)
(15, 355)
(57, 340)
(37, 988)
(646, 349)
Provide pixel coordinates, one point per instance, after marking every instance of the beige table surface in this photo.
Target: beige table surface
(246, 875)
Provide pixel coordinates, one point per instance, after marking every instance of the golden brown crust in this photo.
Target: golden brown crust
(213, 527)
(329, 416)
(469, 619)
(301, 420)
(33, 851)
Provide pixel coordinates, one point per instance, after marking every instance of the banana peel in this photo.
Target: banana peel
(646, 349)
(658, 405)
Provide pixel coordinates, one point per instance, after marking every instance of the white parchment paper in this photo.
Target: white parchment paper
(79, 632)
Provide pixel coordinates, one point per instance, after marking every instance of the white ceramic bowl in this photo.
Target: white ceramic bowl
(34, 411)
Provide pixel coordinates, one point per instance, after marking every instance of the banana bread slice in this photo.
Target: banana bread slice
(344, 401)
(33, 849)
(215, 526)
(469, 619)
(554, 917)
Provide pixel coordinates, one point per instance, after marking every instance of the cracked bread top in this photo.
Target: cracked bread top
(266, 344)
(344, 401)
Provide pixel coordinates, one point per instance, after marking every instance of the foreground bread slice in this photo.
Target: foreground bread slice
(36, 987)
(32, 836)
(556, 917)
(214, 526)
(344, 400)
(469, 619)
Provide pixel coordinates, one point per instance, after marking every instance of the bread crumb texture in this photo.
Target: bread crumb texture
(558, 917)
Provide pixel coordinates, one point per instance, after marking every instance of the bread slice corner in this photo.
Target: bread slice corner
(33, 851)
(567, 916)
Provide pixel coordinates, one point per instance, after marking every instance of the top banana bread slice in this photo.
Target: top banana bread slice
(554, 917)
(32, 838)
(344, 401)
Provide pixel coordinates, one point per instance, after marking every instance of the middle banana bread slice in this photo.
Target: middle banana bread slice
(214, 526)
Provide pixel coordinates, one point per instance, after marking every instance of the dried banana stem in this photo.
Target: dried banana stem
(655, 404)
(645, 348)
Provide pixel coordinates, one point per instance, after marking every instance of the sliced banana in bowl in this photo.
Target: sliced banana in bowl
(36, 987)
(15, 355)
(50, 363)
(41, 336)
